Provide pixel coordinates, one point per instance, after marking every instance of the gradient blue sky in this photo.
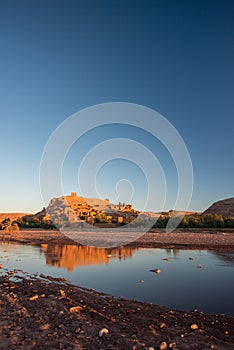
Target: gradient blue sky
(58, 57)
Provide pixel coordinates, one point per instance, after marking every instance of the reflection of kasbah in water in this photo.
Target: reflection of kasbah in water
(69, 256)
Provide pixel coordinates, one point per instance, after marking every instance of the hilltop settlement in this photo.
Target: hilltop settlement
(74, 211)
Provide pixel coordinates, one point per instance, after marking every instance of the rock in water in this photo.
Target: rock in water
(158, 271)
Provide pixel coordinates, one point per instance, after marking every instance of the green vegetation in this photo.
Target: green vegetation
(189, 221)
(21, 223)
(198, 221)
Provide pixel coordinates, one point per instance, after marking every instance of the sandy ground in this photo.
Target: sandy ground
(36, 313)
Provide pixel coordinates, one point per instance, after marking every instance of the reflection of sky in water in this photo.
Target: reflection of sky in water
(180, 285)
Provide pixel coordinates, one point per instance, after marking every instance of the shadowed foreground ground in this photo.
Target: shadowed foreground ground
(37, 314)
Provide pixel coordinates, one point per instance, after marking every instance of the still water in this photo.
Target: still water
(181, 283)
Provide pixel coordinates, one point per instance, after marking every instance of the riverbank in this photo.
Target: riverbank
(189, 239)
(41, 312)
(48, 313)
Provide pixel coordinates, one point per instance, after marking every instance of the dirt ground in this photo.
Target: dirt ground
(41, 312)
(49, 314)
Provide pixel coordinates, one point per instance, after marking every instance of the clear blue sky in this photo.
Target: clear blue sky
(58, 57)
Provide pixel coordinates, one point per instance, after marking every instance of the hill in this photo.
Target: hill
(223, 207)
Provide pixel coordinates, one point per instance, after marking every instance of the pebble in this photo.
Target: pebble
(141, 281)
(156, 271)
(103, 331)
(172, 345)
(194, 326)
(75, 309)
(45, 327)
(162, 325)
(199, 266)
(62, 293)
(0, 266)
(34, 297)
(77, 330)
(163, 346)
